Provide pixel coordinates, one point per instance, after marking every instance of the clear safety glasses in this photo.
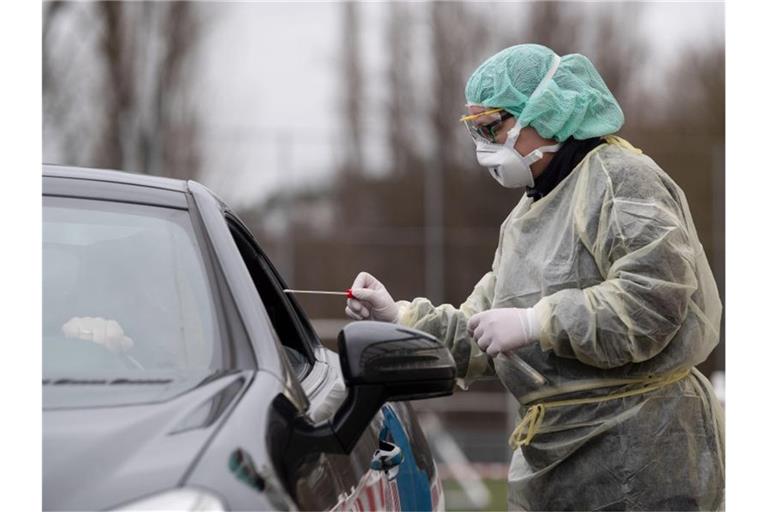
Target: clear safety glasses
(483, 126)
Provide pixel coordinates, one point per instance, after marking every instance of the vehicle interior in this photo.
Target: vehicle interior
(91, 249)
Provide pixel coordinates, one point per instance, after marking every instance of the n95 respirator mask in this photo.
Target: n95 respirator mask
(506, 164)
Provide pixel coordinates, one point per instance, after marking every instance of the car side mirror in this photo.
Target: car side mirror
(407, 363)
(380, 362)
(387, 362)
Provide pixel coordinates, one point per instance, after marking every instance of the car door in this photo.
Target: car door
(311, 378)
(333, 481)
(408, 479)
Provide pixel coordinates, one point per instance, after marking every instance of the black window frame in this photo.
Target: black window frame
(286, 316)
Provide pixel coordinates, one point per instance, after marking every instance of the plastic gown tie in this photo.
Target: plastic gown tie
(529, 426)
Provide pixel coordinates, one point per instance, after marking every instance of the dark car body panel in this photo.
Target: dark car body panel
(109, 456)
(97, 457)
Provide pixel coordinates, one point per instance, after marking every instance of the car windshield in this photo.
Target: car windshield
(125, 289)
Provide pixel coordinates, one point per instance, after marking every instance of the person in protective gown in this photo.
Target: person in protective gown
(598, 305)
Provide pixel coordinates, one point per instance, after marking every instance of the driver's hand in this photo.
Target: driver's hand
(98, 330)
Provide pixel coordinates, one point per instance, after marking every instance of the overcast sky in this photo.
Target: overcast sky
(270, 83)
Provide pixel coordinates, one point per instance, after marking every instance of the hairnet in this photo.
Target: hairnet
(575, 102)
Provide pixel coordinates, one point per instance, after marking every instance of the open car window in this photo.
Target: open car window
(289, 324)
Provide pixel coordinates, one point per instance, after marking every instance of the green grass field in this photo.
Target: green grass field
(456, 500)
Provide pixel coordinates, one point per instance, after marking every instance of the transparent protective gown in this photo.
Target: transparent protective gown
(611, 261)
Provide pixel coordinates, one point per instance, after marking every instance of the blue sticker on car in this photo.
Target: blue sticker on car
(412, 481)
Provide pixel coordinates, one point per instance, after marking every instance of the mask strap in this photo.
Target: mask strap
(552, 148)
(513, 133)
(538, 153)
(515, 130)
(550, 73)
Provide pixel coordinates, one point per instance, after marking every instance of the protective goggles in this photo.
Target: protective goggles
(483, 126)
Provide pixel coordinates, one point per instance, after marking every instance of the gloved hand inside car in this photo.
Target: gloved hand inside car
(372, 300)
(98, 330)
(503, 330)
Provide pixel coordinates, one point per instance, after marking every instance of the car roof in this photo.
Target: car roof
(110, 185)
(112, 176)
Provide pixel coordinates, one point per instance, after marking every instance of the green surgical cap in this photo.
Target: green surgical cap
(575, 102)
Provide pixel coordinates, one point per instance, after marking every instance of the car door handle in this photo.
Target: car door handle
(387, 459)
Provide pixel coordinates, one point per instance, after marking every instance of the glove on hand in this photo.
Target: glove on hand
(98, 330)
(503, 330)
(372, 300)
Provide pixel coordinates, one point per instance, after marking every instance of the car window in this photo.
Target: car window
(286, 320)
(125, 287)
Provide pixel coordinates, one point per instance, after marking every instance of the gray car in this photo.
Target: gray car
(178, 375)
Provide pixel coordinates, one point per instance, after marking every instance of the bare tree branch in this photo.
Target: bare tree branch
(352, 87)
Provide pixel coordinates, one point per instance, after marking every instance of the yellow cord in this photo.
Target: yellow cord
(528, 427)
